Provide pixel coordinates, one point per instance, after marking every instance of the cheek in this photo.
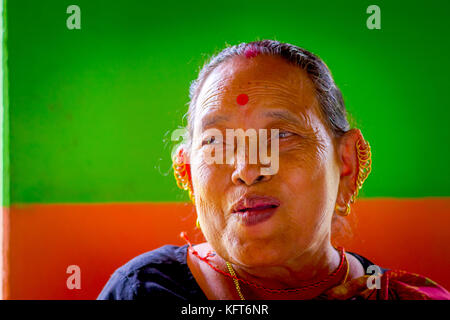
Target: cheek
(208, 193)
(201, 173)
(305, 179)
(204, 175)
(303, 162)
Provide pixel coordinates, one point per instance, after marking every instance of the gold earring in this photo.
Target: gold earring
(181, 174)
(342, 211)
(364, 168)
(197, 224)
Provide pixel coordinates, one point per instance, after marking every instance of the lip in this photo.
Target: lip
(255, 209)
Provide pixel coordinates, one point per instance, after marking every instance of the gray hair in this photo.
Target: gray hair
(328, 94)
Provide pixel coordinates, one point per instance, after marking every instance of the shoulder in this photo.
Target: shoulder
(166, 255)
(396, 284)
(160, 273)
(369, 267)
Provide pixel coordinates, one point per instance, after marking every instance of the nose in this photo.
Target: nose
(248, 174)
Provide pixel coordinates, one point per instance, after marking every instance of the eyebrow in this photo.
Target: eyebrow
(211, 121)
(284, 115)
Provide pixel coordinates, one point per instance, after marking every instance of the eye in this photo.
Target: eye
(285, 134)
(209, 140)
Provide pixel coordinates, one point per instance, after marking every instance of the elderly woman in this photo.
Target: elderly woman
(267, 222)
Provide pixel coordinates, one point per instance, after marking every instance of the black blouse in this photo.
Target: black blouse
(162, 273)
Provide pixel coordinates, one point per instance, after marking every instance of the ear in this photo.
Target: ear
(182, 156)
(348, 165)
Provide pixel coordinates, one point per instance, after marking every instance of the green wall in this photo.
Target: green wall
(91, 110)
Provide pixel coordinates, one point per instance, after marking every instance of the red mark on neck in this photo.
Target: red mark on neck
(242, 99)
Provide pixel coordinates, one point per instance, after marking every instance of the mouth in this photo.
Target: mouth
(256, 209)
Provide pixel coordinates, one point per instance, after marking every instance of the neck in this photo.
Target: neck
(310, 266)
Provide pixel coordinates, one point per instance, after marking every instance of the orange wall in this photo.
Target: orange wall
(411, 234)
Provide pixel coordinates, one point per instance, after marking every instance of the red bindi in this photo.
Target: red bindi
(251, 52)
(242, 99)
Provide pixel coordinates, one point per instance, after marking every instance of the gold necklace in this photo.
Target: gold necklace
(236, 281)
(238, 287)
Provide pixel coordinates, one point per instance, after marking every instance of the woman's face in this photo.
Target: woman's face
(280, 96)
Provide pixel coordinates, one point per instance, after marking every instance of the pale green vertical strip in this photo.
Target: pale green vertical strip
(4, 146)
(5, 194)
(1, 148)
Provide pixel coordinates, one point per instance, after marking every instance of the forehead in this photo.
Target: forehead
(268, 81)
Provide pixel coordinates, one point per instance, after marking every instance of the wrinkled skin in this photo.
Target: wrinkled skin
(316, 171)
